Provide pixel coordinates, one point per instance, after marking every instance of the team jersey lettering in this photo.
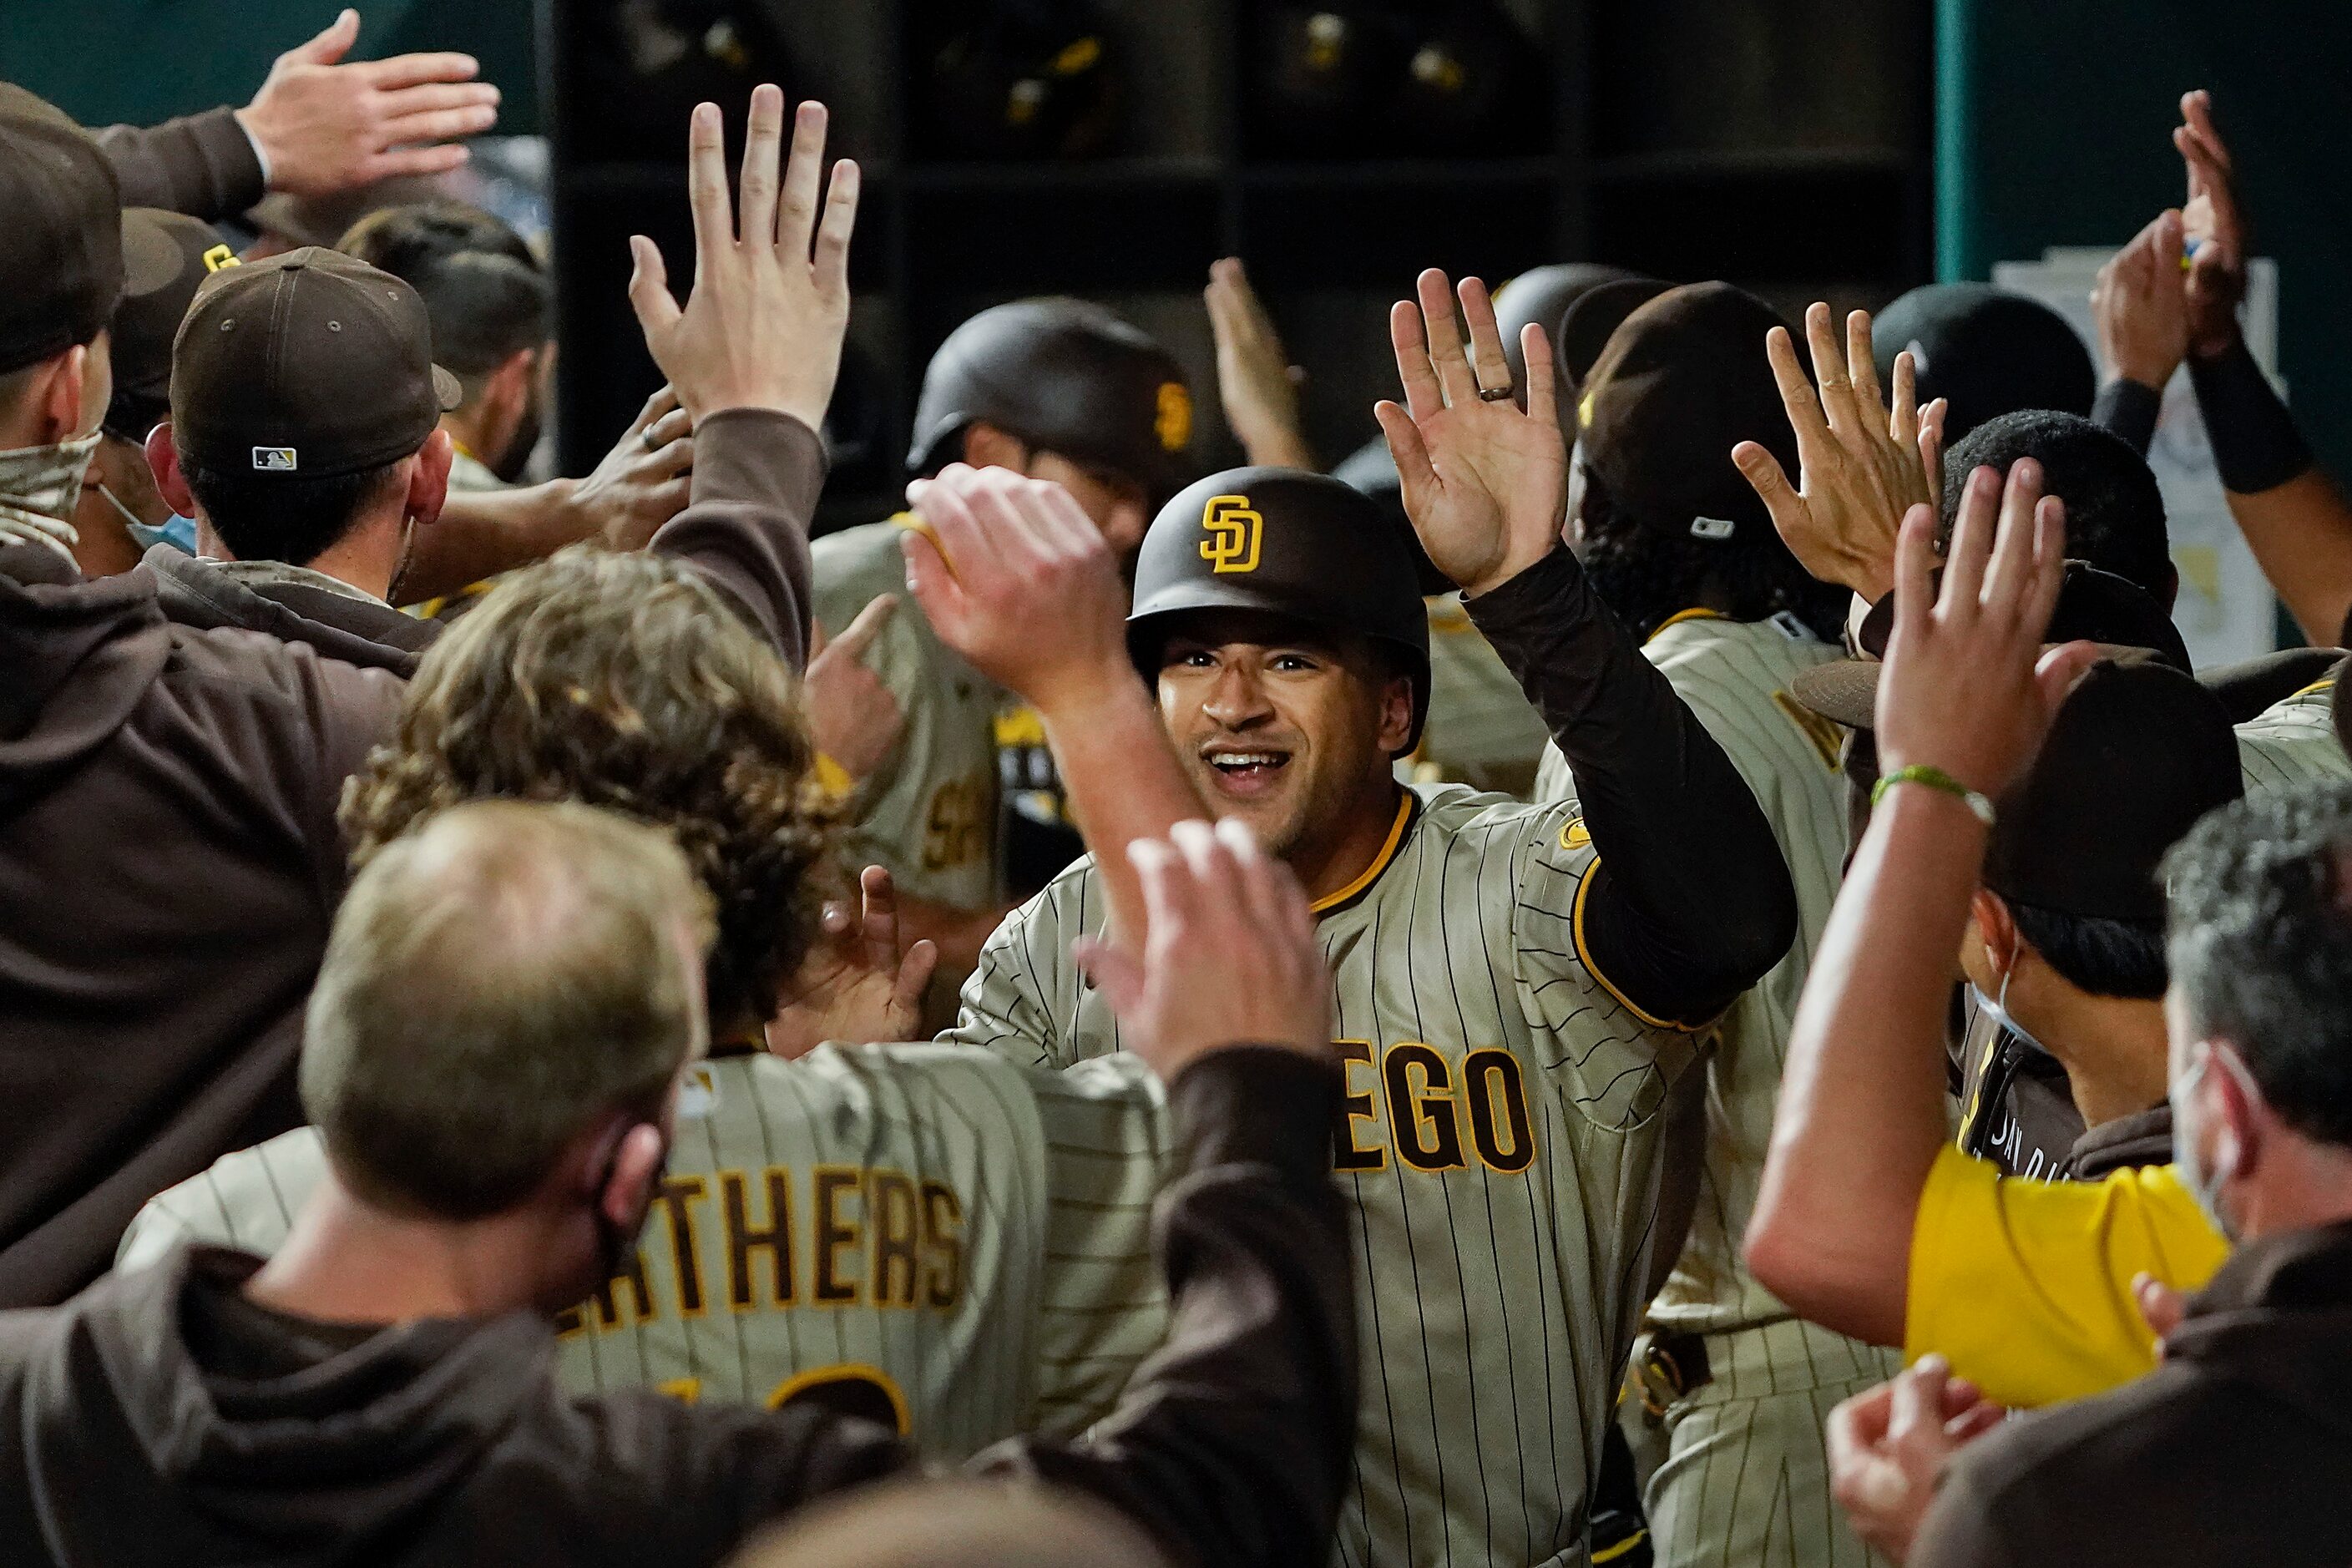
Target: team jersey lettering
(1421, 1106)
(859, 1236)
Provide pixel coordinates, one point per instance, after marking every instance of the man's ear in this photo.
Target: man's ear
(509, 387)
(1996, 931)
(1396, 714)
(164, 462)
(56, 398)
(428, 483)
(636, 1170)
(986, 446)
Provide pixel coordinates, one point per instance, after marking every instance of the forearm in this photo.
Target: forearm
(1692, 902)
(2129, 408)
(481, 533)
(202, 164)
(757, 474)
(1123, 782)
(1861, 1114)
(1233, 1445)
(2294, 518)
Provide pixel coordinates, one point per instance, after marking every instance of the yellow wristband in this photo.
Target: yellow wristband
(1937, 779)
(833, 778)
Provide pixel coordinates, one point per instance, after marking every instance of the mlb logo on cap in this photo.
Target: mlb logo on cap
(273, 460)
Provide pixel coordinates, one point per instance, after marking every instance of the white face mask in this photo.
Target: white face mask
(2203, 1184)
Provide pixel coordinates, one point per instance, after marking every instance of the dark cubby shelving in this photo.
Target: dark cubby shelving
(1781, 143)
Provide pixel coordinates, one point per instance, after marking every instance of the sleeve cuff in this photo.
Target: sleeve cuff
(2129, 408)
(758, 455)
(1255, 1104)
(261, 157)
(1536, 596)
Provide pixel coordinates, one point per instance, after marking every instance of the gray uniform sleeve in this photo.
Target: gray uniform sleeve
(1024, 1000)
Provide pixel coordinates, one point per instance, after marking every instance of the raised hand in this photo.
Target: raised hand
(1231, 957)
(2215, 228)
(856, 984)
(1861, 464)
(322, 126)
(763, 325)
(1484, 482)
(2141, 305)
(1013, 577)
(1888, 1447)
(1967, 687)
(1257, 382)
(643, 481)
(852, 714)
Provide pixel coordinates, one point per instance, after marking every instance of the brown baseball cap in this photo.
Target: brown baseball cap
(2137, 754)
(2094, 607)
(309, 364)
(1683, 380)
(62, 245)
(147, 317)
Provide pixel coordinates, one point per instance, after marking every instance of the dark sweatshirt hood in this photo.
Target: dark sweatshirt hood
(76, 658)
(2279, 1316)
(198, 592)
(335, 1462)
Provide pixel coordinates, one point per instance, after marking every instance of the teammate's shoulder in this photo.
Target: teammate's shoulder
(1074, 897)
(1454, 810)
(865, 559)
(1696, 643)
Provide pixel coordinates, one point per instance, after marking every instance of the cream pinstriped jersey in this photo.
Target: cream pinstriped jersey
(1482, 730)
(2292, 741)
(967, 1239)
(1499, 1139)
(928, 814)
(1735, 677)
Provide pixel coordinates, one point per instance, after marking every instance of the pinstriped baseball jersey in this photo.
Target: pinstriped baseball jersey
(964, 1241)
(1735, 677)
(928, 814)
(2292, 741)
(1499, 1139)
(1482, 730)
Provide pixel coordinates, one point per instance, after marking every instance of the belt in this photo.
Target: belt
(1671, 1366)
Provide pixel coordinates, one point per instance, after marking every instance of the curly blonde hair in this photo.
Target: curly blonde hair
(631, 682)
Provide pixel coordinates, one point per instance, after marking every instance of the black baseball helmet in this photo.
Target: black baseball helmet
(1291, 543)
(1066, 375)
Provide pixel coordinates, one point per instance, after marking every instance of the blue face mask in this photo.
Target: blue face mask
(2203, 1184)
(179, 532)
(1997, 1009)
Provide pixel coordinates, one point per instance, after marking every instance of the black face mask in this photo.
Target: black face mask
(613, 1243)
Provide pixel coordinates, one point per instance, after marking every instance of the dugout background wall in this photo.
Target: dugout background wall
(1785, 143)
(2054, 128)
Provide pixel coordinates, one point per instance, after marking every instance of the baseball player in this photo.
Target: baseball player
(967, 803)
(1517, 987)
(2294, 741)
(922, 1233)
(1735, 1389)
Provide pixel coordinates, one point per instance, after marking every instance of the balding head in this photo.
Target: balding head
(956, 1525)
(496, 984)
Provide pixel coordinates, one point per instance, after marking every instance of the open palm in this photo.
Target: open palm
(1485, 481)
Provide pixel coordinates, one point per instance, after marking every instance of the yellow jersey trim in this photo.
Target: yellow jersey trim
(1379, 862)
(1696, 613)
(2324, 683)
(1583, 956)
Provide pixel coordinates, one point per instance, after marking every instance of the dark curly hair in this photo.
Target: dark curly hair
(626, 681)
(1646, 577)
(2260, 938)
